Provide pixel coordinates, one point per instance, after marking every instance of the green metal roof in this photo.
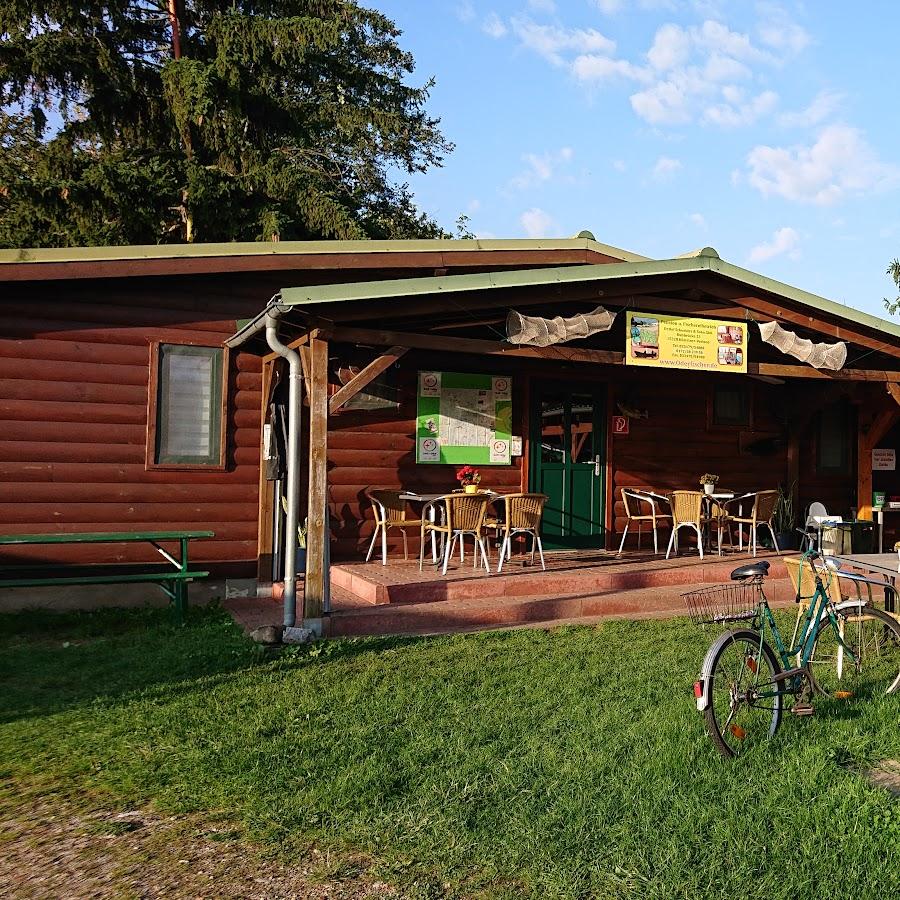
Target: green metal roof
(293, 248)
(703, 260)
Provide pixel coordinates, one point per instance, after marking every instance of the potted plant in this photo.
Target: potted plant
(469, 478)
(784, 518)
(709, 482)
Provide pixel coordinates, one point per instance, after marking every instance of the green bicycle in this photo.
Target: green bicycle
(844, 650)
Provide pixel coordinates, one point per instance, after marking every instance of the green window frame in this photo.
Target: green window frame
(187, 406)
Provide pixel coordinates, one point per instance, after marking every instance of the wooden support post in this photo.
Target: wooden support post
(866, 442)
(365, 377)
(317, 538)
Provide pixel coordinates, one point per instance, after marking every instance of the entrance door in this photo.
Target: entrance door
(567, 463)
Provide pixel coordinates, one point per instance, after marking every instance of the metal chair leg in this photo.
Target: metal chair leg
(672, 542)
(384, 545)
(699, 540)
(624, 535)
(484, 557)
(372, 543)
(540, 551)
(447, 552)
(405, 545)
(504, 549)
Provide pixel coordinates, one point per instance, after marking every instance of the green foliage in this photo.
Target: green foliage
(568, 763)
(281, 119)
(893, 306)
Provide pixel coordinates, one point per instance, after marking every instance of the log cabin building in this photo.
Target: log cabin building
(139, 390)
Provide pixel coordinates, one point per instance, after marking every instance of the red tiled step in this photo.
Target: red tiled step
(510, 611)
(378, 585)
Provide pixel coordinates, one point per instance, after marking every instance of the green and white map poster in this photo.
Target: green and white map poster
(464, 419)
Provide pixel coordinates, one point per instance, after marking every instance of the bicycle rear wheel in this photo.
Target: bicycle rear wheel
(737, 716)
(873, 637)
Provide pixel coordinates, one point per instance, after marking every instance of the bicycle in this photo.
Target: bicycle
(845, 650)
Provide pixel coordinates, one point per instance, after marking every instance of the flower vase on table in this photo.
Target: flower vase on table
(469, 478)
(709, 483)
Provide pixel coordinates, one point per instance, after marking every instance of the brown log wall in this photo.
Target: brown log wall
(74, 369)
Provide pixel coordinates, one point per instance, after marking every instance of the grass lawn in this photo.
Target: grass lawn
(566, 763)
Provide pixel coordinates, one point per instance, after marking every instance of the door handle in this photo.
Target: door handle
(597, 465)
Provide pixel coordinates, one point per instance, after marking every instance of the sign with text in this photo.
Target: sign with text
(884, 459)
(682, 342)
(464, 418)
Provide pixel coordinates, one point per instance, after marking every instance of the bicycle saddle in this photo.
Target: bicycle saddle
(751, 570)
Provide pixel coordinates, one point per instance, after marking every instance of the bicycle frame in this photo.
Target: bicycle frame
(791, 677)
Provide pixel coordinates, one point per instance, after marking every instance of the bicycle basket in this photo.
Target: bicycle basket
(722, 603)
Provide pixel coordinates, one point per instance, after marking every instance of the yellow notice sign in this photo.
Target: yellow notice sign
(679, 342)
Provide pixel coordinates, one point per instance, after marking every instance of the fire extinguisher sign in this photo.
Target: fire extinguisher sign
(620, 424)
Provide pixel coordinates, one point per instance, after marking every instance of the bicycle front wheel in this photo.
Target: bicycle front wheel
(872, 636)
(744, 699)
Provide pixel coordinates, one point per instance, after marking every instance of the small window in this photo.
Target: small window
(187, 398)
(833, 440)
(731, 406)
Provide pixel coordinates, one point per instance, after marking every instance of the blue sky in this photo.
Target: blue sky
(763, 129)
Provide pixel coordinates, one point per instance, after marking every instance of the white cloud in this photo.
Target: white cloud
(547, 6)
(821, 107)
(784, 240)
(541, 168)
(698, 220)
(671, 47)
(609, 7)
(551, 41)
(619, 165)
(536, 223)
(839, 164)
(465, 12)
(778, 31)
(591, 67)
(493, 26)
(665, 168)
(737, 112)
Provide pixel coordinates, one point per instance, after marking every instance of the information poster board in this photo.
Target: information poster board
(681, 342)
(464, 419)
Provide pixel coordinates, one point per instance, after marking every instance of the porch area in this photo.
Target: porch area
(578, 587)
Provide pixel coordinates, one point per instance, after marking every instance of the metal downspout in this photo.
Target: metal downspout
(293, 497)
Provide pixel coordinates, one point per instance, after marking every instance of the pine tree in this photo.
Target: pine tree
(172, 120)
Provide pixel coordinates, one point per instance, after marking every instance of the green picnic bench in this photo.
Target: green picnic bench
(173, 581)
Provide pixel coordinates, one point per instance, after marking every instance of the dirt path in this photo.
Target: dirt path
(49, 847)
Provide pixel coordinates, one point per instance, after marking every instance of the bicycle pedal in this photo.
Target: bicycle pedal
(802, 709)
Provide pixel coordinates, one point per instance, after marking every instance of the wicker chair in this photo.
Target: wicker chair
(632, 498)
(390, 512)
(522, 515)
(463, 515)
(687, 512)
(761, 514)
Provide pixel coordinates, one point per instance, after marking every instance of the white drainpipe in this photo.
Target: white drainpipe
(295, 385)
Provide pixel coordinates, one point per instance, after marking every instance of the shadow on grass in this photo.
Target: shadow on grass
(50, 662)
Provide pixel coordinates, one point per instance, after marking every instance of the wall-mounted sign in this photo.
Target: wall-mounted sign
(464, 419)
(620, 424)
(884, 459)
(680, 342)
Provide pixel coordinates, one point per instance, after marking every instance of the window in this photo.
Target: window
(833, 440)
(187, 398)
(731, 406)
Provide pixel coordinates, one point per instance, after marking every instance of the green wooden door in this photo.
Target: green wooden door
(568, 465)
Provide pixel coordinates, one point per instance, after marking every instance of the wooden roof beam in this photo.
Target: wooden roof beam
(365, 377)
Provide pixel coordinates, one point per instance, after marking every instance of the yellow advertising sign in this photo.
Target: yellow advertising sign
(680, 342)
